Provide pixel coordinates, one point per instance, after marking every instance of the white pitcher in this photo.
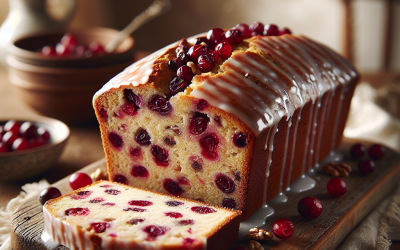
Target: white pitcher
(27, 17)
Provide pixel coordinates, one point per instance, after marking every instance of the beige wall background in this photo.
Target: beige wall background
(320, 20)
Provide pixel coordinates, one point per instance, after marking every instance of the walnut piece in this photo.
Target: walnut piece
(337, 169)
(254, 245)
(99, 175)
(258, 234)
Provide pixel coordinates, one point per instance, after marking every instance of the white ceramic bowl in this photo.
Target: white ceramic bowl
(18, 165)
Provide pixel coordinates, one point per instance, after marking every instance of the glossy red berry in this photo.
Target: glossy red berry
(198, 123)
(209, 145)
(172, 187)
(196, 51)
(285, 31)
(225, 183)
(48, 194)
(9, 138)
(271, 30)
(13, 126)
(240, 140)
(139, 171)
(257, 28)
(143, 138)
(175, 64)
(4, 147)
(245, 29)
(366, 167)
(28, 130)
(49, 51)
(203, 210)
(160, 155)
(309, 208)
(336, 187)
(224, 49)
(206, 63)
(79, 180)
(62, 50)
(116, 140)
(96, 47)
(177, 85)
(376, 152)
(234, 36)
(39, 141)
(357, 151)
(185, 73)
(283, 228)
(215, 35)
(20, 144)
(68, 39)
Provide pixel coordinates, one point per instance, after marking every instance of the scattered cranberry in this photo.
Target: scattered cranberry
(143, 138)
(309, 208)
(209, 145)
(100, 227)
(20, 144)
(154, 231)
(129, 109)
(48, 194)
(160, 155)
(256, 28)
(366, 167)
(224, 49)
(183, 181)
(198, 123)
(79, 180)
(175, 64)
(97, 200)
(224, 183)
(234, 36)
(177, 85)
(229, 203)
(271, 30)
(203, 210)
(197, 166)
(215, 35)
(183, 56)
(187, 241)
(357, 151)
(336, 187)
(239, 139)
(185, 73)
(196, 51)
(175, 215)
(139, 171)
(13, 126)
(141, 203)
(206, 63)
(77, 211)
(376, 152)
(135, 152)
(245, 29)
(135, 209)
(121, 179)
(49, 51)
(160, 105)
(172, 187)
(283, 228)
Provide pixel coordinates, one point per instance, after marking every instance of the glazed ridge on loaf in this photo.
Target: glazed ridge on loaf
(108, 215)
(272, 110)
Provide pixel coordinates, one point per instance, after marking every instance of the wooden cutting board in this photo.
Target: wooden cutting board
(340, 215)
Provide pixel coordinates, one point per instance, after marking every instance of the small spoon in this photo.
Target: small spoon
(157, 8)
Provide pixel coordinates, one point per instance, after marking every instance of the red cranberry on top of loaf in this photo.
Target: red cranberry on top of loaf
(107, 215)
(230, 118)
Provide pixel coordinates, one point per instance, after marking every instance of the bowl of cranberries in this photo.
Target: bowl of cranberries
(29, 145)
(57, 74)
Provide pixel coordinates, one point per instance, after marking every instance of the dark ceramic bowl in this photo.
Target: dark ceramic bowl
(19, 165)
(62, 87)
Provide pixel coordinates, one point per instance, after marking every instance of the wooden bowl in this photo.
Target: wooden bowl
(62, 87)
(19, 165)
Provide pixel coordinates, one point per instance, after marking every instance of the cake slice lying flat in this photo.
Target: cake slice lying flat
(107, 215)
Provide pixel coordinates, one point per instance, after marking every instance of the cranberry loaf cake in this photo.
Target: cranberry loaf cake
(231, 117)
(107, 215)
